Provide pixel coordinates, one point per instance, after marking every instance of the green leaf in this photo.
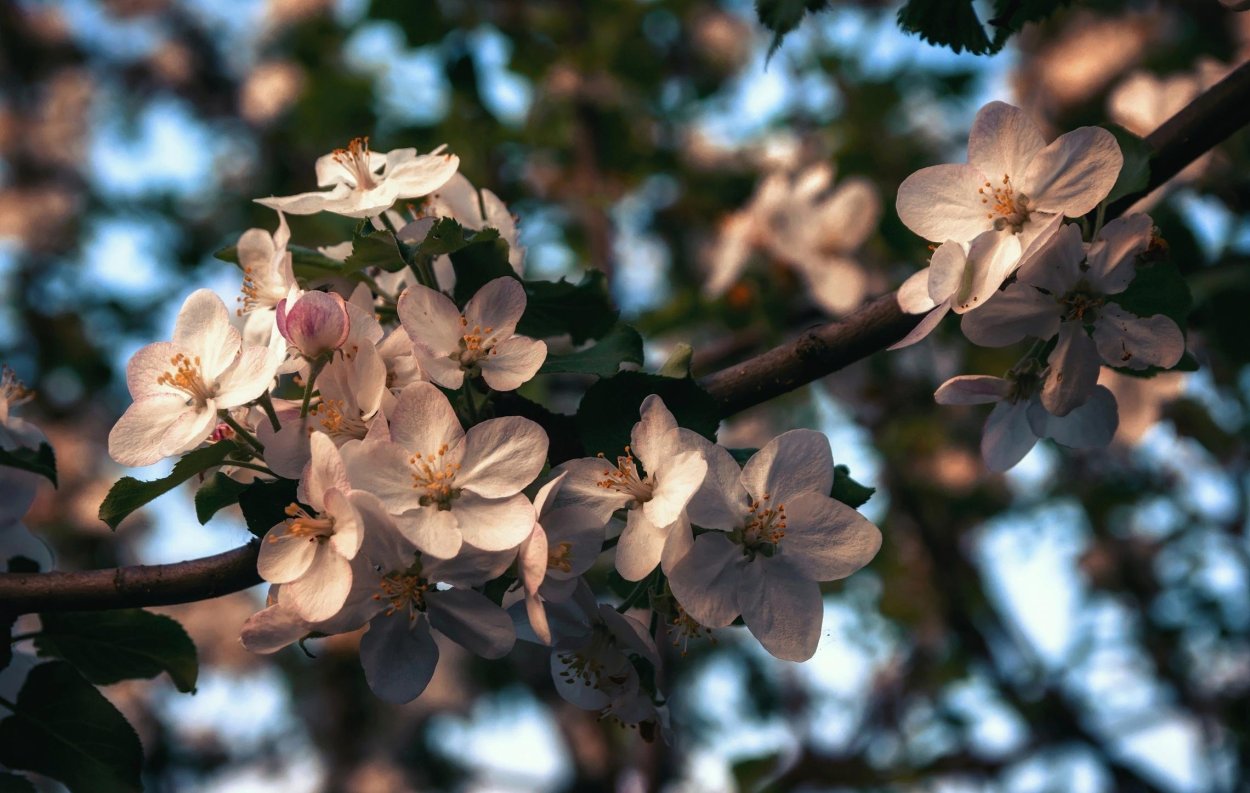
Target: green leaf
(783, 16)
(603, 358)
(1158, 288)
(15, 783)
(847, 490)
(216, 494)
(66, 730)
(583, 310)
(1135, 173)
(38, 461)
(679, 361)
(951, 23)
(447, 236)
(264, 503)
(129, 493)
(379, 249)
(609, 410)
(478, 264)
(127, 644)
(306, 262)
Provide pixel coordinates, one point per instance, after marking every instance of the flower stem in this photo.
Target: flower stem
(242, 432)
(470, 403)
(1098, 219)
(313, 371)
(252, 467)
(643, 587)
(266, 403)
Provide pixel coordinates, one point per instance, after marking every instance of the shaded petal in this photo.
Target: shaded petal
(581, 488)
(677, 479)
(287, 451)
(383, 468)
(424, 421)
(431, 320)
(326, 471)
(640, 546)
(445, 371)
(721, 500)
(140, 436)
(972, 389)
(502, 456)
(782, 608)
(1113, 256)
(472, 621)
(319, 594)
(851, 214)
(924, 327)
(836, 283)
(1075, 172)
(992, 257)
(307, 203)
(1090, 426)
(1056, 265)
(1013, 314)
(273, 628)
(498, 305)
(706, 581)
(941, 203)
(398, 659)
(913, 296)
(1007, 437)
(798, 461)
(946, 271)
(433, 531)
(251, 376)
(1074, 368)
(1003, 140)
(649, 440)
(513, 362)
(825, 539)
(348, 522)
(284, 557)
(493, 524)
(1124, 339)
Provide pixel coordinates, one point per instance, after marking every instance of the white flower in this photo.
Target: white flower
(268, 279)
(18, 547)
(459, 200)
(673, 470)
(778, 534)
(1014, 183)
(1064, 291)
(801, 221)
(482, 341)
(310, 554)
(14, 431)
(446, 486)
(1019, 418)
(365, 183)
(564, 544)
(179, 386)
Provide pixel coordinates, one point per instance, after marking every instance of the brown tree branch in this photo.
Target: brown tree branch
(819, 351)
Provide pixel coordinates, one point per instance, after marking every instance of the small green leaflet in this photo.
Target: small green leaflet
(127, 644)
(603, 358)
(783, 16)
(38, 461)
(609, 410)
(378, 249)
(66, 730)
(216, 494)
(847, 490)
(130, 494)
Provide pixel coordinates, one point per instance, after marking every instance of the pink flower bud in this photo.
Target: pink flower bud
(316, 324)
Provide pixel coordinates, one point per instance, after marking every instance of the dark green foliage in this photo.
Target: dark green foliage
(264, 503)
(783, 16)
(129, 494)
(603, 359)
(583, 310)
(65, 729)
(110, 646)
(14, 783)
(847, 490)
(375, 249)
(219, 492)
(38, 461)
(609, 410)
(955, 24)
(1135, 173)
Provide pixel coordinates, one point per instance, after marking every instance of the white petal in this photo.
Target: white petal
(649, 439)
(798, 461)
(677, 479)
(494, 524)
(825, 539)
(307, 203)
(203, 330)
(1074, 368)
(992, 257)
(707, 580)
(147, 366)
(513, 362)
(1073, 173)
(433, 531)
(445, 371)
(325, 472)
(502, 456)
(398, 660)
(1124, 339)
(720, 502)
(431, 320)
(924, 327)
(1017, 312)
(383, 468)
(1090, 426)
(1003, 140)
(1113, 256)
(287, 451)
(498, 305)
(531, 561)
(581, 488)
(424, 421)
(471, 620)
(284, 557)
(972, 389)
(1056, 264)
(946, 271)
(348, 523)
(273, 628)
(249, 377)
(140, 435)
(1007, 437)
(781, 608)
(913, 295)
(640, 546)
(319, 594)
(941, 203)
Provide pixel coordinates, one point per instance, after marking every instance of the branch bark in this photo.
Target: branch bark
(818, 351)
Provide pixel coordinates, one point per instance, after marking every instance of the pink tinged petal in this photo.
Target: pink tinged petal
(630, 632)
(836, 283)
(424, 421)
(946, 272)
(536, 613)
(433, 531)
(513, 362)
(707, 579)
(677, 479)
(720, 501)
(1090, 426)
(432, 321)
(445, 371)
(545, 497)
(319, 594)
(140, 435)
(825, 539)
(782, 608)
(991, 258)
(913, 295)
(498, 305)
(470, 567)
(531, 560)
(581, 488)
(941, 203)
(398, 657)
(1074, 366)
(383, 468)
(317, 324)
(1126, 340)
(251, 375)
(798, 461)
(972, 389)
(678, 543)
(851, 213)
(502, 456)
(285, 557)
(423, 174)
(1003, 140)
(472, 621)
(273, 628)
(203, 329)
(493, 524)
(287, 451)
(924, 327)
(1113, 256)
(640, 547)
(256, 250)
(348, 524)
(1017, 312)
(649, 439)
(146, 368)
(1056, 265)
(1073, 173)
(307, 203)
(326, 471)
(583, 531)
(1007, 437)
(373, 518)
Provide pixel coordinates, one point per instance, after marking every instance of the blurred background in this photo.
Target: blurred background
(1081, 624)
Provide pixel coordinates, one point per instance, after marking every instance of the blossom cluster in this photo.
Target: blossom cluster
(20, 551)
(422, 508)
(1010, 265)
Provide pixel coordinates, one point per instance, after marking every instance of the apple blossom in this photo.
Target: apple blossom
(179, 386)
(366, 183)
(15, 431)
(315, 323)
(450, 345)
(445, 486)
(268, 279)
(673, 470)
(460, 200)
(776, 533)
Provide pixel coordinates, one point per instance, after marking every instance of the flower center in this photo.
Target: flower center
(301, 525)
(188, 377)
(11, 389)
(1006, 208)
(404, 590)
(434, 474)
(685, 629)
(355, 160)
(1081, 304)
(475, 344)
(558, 557)
(337, 421)
(586, 664)
(1024, 381)
(258, 291)
(764, 528)
(625, 479)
